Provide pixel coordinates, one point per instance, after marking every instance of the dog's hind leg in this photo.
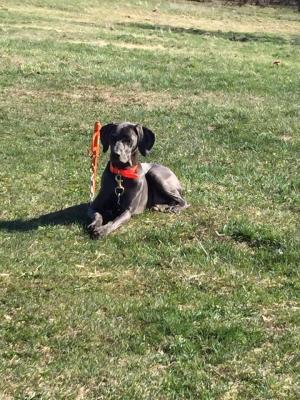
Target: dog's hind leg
(174, 204)
(165, 193)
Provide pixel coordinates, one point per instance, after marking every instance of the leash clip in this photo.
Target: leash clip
(119, 190)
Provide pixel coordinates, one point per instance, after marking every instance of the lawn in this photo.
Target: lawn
(201, 305)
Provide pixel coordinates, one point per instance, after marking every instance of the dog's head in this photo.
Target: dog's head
(125, 140)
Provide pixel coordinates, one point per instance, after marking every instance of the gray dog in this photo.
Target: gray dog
(127, 186)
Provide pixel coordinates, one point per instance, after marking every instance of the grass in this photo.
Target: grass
(204, 305)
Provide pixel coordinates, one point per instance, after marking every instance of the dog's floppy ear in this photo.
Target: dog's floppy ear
(105, 133)
(146, 139)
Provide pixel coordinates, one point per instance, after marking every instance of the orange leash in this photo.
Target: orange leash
(94, 154)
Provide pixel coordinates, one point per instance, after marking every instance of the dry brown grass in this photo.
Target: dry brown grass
(201, 16)
(134, 96)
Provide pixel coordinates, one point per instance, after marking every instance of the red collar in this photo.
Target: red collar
(129, 173)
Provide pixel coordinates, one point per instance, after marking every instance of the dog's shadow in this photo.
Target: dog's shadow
(76, 214)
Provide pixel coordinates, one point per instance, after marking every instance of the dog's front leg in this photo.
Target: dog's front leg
(111, 226)
(96, 223)
(95, 212)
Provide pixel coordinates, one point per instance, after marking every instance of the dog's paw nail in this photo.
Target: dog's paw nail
(93, 230)
(98, 232)
(94, 235)
(90, 230)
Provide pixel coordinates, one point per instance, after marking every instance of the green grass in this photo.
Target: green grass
(204, 305)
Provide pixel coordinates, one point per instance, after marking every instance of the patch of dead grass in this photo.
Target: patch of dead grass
(258, 363)
(108, 95)
(135, 96)
(129, 46)
(202, 18)
(233, 280)
(187, 20)
(271, 316)
(15, 60)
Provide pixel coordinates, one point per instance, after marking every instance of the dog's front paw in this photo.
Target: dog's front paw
(95, 225)
(97, 231)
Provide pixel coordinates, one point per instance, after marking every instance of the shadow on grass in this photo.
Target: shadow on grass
(71, 215)
(233, 36)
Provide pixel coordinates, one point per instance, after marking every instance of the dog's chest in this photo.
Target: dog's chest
(128, 194)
